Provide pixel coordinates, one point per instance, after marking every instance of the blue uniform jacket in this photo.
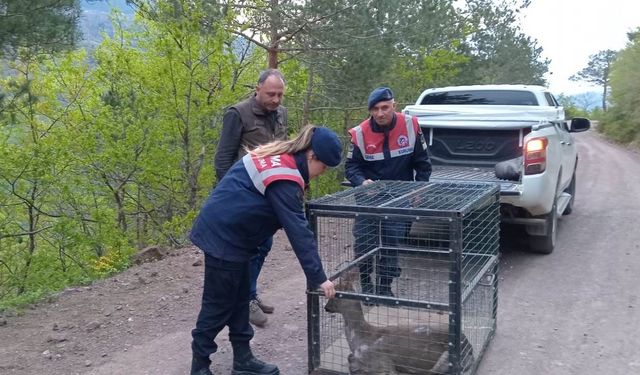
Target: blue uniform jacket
(400, 168)
(236, 218)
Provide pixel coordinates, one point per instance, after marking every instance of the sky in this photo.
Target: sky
(569, 31)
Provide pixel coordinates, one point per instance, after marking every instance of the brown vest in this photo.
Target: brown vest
(260, 127)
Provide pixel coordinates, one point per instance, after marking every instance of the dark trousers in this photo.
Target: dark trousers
(225, 302)
(256, 265)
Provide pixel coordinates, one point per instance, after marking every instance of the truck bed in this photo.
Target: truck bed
(460, 173)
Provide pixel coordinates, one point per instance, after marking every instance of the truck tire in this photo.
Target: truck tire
(571, 189)
(545, 244)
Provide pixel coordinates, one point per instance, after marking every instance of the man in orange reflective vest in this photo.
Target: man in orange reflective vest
(386, 146)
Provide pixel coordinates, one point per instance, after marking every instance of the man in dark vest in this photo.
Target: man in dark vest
(246, 125)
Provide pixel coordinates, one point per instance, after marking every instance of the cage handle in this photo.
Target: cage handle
(487, 279)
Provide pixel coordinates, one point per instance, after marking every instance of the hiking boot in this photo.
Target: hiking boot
(202, 371)
(200, 365)
(384, 286)
(385, 290)
(254, 366)
(256, 315)
(267, 309)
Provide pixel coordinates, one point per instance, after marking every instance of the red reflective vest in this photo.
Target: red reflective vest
(263, 170)
(402, 138)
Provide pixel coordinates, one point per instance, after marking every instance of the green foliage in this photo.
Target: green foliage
(571, 110)
(41, 26)
(438, 68)
(100, 161)
(622, 121)
(112, 262)
(109, 151)
(500, 53)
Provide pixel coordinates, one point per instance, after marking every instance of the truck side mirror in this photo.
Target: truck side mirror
(579, 124)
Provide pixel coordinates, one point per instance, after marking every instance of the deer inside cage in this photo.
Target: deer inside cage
(416, 269)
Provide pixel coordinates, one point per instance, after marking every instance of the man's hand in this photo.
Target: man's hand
(328, 289)
(367, 182)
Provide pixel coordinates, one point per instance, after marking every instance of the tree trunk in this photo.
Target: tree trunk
(33, 223)
(307, 99)
(122, 218)
(272, 52)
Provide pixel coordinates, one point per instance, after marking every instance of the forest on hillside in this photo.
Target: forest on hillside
(108, 148)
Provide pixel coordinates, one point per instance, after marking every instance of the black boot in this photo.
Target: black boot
(365, 284)
(253, 366)
(244, 363)
(202, 371)
(200, 366)
(384, 286)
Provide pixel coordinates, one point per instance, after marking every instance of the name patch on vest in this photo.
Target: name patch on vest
(265, 170)
(271, 161)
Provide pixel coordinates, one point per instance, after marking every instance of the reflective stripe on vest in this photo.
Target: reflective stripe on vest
(263, 170)
(402, 139)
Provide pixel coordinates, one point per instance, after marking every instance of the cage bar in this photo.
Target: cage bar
(416, 264)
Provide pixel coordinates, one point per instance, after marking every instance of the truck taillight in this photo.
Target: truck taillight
(535, 155)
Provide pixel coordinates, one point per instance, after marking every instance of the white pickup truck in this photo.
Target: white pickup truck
(513, 135)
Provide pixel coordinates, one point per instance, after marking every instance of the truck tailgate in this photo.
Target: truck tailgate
(458, 173)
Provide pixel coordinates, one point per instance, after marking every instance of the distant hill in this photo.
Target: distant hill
(95, 19)
(587, 100)
(104, 6)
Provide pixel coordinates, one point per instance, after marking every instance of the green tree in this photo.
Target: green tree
(43, 26)
(623, 119)
(275, 26)
(98, 159)
(499, 52)
(404, 44)
(39, 250)
(597, 71)
(160, 87)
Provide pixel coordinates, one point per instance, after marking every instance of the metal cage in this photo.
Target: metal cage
(416, 267)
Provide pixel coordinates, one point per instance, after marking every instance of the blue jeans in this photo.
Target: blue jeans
(256, 266)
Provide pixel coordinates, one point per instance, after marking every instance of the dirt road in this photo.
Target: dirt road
(575, 311)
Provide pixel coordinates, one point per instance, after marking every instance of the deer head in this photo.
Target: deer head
(350, 309)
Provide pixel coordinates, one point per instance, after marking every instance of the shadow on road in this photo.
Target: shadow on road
(513, 243)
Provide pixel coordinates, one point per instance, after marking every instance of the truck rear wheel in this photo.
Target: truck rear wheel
(545, 244)
(571, 189)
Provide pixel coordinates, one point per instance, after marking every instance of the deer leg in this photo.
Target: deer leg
(355, 366)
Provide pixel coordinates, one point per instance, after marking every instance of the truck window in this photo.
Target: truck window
(550, 99)
(482, 97)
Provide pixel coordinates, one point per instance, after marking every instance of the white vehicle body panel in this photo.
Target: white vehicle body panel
(533, 193)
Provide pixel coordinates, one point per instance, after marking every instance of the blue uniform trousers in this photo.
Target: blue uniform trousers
(225, 302)
(371, 233)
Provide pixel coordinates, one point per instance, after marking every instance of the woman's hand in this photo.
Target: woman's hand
(328, 289)
(367, 182)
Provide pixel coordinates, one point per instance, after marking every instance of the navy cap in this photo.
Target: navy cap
(327, 146)
(380, 94)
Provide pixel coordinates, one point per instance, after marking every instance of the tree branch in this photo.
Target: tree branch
(25, 233)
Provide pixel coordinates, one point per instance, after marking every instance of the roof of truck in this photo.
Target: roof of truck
(490, 87)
